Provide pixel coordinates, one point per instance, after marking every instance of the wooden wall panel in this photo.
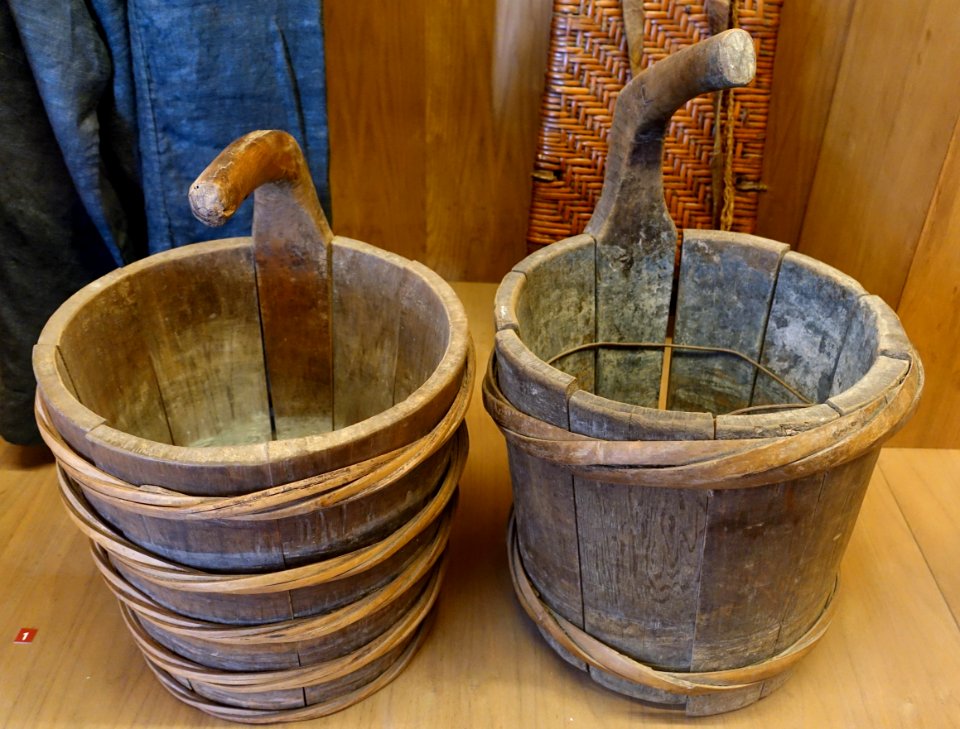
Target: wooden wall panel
(376, 106)
(810, 47)
(433, 124)
(930, 311)
(893, 111)
(861, 122)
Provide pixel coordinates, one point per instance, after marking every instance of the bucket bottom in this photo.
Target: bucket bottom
(294, 694)
(695, 693)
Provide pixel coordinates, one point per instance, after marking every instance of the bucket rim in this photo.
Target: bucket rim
(253, 465)
(895, 355)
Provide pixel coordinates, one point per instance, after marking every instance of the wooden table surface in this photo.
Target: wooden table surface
(891, 658)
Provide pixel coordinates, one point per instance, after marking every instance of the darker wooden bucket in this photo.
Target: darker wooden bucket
(678, 527)
(262, 438)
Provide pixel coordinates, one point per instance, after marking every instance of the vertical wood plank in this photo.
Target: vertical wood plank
(423, 335)
(203, 334)
(529, 383)
(435, 108)
(640, 552)
(366, 291)
(557, 306)
(106, 353)
(930, 312)
(291, 247)
(546, 518)
(808, 321)
(815, 571)
(754, 537)
(810, 48)
(894, 108)
(725, 289)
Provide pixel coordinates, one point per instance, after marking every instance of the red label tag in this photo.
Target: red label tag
(25, 635)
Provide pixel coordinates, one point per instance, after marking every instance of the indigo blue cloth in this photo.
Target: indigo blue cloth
(109, 109)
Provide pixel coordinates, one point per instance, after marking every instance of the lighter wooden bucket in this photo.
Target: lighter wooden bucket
(687, 556)
(262, 437)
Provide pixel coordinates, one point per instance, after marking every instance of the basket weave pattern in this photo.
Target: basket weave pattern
(589, 64)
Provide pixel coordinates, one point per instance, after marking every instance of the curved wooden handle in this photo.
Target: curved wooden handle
(632, 188)
(636, 238)
(266, 157)
(292, 254)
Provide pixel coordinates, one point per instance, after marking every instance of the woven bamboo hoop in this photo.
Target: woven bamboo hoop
(247, 597)
(680, 520)
(284, 644)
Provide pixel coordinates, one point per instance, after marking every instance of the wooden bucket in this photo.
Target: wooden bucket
(262, 438)
(678, 527)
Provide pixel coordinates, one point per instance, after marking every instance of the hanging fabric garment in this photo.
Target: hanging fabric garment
(109, 109)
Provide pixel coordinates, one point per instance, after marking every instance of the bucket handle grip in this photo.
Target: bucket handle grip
(631, 212)
(293, 257)
(267, 157)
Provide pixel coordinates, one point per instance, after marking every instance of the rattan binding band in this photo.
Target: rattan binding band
(291, 678)
(583, 646)
(289, 499)
(312, 711)
(291, 631)
(705, 464)
(175, 576)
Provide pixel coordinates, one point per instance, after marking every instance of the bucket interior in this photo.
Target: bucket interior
(814, 330)
(171, 351)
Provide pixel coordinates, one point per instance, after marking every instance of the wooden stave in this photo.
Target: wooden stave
(240, 469)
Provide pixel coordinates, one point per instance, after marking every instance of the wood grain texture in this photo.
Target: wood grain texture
(556, 307)
(636, 238)
(811, 309)
(366, 342)
(930, 311)
(435, 108)
(114, 373)
(890, 123)
(890, 659)
(202, 330)
(640, 561)
(546, 516)
(723, 300)
(432, 320)
(932, 509)
(810, 48)
(292, 255)
(752, 545)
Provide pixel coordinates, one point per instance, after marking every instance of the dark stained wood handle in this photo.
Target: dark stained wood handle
(631, 204)
(718, 15)
(269, 157)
